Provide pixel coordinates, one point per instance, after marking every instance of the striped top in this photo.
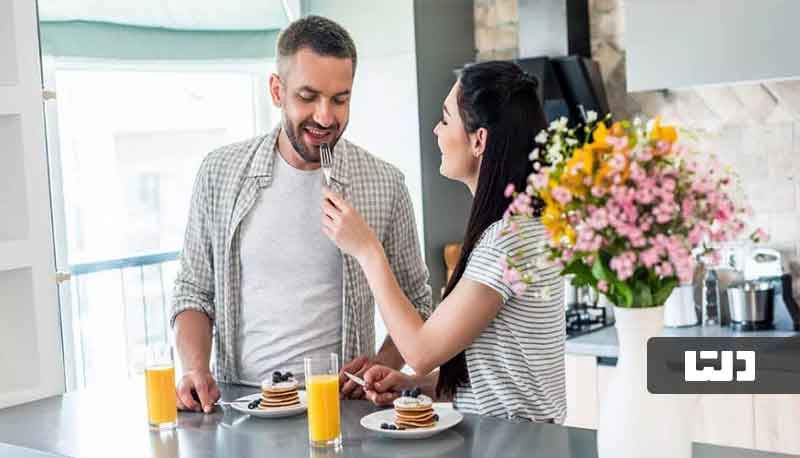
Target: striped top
(516, 366)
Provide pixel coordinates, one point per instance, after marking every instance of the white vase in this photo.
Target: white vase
(634, 423)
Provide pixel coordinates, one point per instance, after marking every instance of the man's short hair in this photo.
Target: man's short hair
(321, 35)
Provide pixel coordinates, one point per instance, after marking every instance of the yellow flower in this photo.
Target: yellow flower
(555, 222)
(582, 161)
(599, 135)
(665, 133)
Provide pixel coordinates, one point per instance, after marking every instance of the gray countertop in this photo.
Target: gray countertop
(105, 424)
(603, 343)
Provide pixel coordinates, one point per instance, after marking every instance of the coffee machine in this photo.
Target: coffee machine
(765, 299)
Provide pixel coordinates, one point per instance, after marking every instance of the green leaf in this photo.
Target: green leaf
(624, 293)
(664, 290)
(583, 275)
(641, 294)
(600, 271)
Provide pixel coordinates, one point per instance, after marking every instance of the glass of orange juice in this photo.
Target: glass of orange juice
(322, 391)
(159, 376)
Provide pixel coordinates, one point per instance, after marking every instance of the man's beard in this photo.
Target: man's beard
(307, 154)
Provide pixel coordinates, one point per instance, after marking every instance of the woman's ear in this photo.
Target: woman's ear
(478, 141)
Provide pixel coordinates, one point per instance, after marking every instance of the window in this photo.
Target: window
(126, 143)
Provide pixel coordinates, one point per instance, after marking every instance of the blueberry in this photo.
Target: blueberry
(415, 392)
(288, 375)
(393, 427)
(435, 417)
(406, 393)
(276, 374)
(384, 426)
(254, 404)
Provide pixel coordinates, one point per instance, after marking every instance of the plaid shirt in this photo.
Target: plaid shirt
(228, 184)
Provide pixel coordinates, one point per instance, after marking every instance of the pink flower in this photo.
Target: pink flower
(511, 276)
(509, 190)
(602, 286)
(598, 218)
(539, 180)
(759, 235)
(623, 265)
(562, 195)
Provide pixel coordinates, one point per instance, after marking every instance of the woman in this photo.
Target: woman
(501, 352)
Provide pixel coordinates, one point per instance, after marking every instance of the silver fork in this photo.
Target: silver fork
(326, 155)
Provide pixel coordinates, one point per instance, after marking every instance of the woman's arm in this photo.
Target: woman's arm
(453, 326)
(424, 345)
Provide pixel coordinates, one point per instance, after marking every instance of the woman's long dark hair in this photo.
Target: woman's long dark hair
(501, 98)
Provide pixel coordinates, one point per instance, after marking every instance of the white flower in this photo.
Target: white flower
(541, 137)
(591, 116)
(534, 154)
(650, 124)
(554, 149)
(571, 141)
(562, 123)
(637, 121)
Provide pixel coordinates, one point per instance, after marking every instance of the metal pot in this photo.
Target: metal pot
(751, 304)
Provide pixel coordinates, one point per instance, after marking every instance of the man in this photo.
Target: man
(257, 272)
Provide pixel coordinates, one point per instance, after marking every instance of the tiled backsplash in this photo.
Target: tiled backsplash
(756, 126)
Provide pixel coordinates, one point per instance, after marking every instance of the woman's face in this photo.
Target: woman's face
(459, 159)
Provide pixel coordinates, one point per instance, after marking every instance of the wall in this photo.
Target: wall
(443, 30)
(754, 127)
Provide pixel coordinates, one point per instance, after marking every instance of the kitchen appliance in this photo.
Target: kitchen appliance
(679, 310)
(763, 263)
(752, 305)
(765, 299)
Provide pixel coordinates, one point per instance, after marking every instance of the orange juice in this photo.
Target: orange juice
(160, 384)
(323, 407)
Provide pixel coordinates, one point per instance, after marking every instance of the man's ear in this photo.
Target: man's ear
(478, 141)
(275, 90)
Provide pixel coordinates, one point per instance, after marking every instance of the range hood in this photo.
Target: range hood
(554, 46)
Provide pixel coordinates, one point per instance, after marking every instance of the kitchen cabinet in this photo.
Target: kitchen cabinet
(582, 405)
(777, 419)
(762, 422)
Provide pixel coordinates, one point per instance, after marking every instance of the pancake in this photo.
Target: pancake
(279, 394)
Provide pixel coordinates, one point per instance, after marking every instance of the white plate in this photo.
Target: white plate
(272, 412)
(447, 419)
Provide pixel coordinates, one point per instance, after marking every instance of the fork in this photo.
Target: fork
(326, 155)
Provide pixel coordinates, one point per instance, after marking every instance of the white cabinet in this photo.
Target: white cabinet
(725, 419)
(581, 375)
(777, 419)
(763, 422)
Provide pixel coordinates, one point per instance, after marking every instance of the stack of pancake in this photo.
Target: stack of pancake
(414, 412)
(279, 394)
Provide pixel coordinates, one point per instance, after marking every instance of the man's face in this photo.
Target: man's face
(314, 97)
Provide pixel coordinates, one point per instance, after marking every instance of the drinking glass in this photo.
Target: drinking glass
(322, 390)
(159, 375)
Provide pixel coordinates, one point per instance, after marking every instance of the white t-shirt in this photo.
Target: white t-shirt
(291, 276)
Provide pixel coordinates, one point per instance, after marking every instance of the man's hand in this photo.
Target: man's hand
(384, 384)
(203, 384)
(358, 366)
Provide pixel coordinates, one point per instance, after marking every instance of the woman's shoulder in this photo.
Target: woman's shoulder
(505, 234)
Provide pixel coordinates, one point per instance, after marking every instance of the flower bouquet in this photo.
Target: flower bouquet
(629, 208)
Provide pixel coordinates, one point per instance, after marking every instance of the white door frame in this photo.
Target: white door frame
(32, 350)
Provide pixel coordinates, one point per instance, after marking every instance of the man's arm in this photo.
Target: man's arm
(193, 304)
(404, 254)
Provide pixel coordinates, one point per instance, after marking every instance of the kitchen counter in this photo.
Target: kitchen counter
(603, 343)
(96, 424)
